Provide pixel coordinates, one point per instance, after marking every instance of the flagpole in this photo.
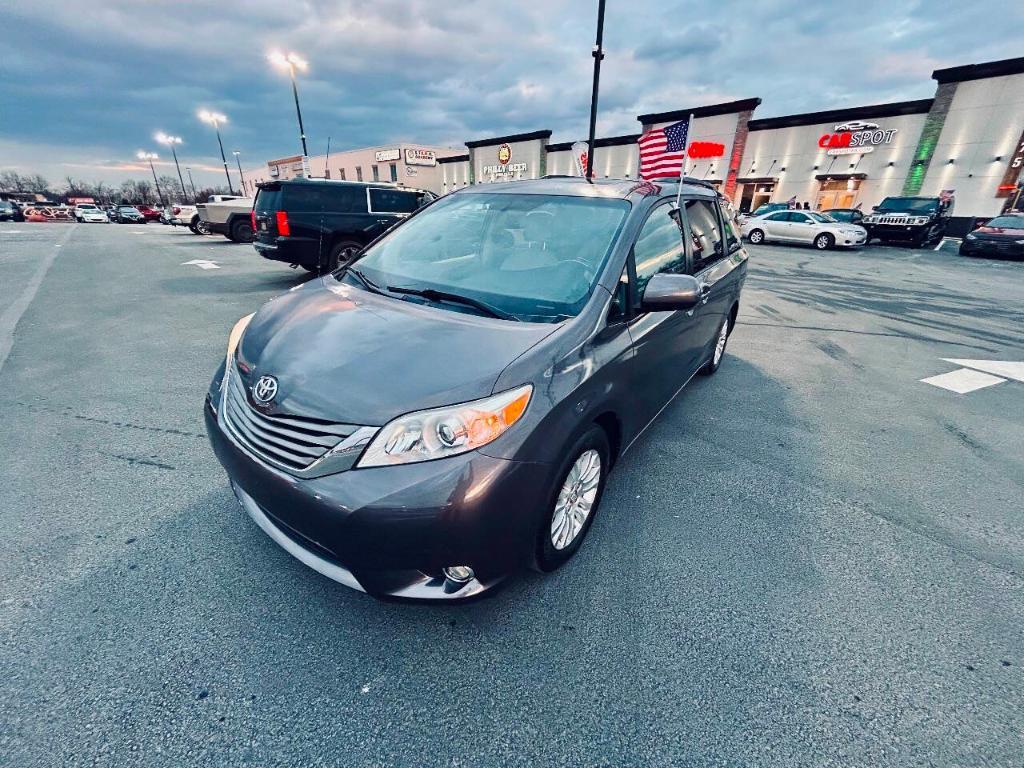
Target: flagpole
(679, 192)
(598, 54)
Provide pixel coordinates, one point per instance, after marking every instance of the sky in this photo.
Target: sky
(84, 87)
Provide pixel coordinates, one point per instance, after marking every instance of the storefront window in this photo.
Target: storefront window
(837, 193)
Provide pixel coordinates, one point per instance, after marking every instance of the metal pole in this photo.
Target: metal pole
(327, 159)
(231, 190)
(298, 111)
(175, 154)
(194, 193)
(157, 183)
(240, 174)
(598, 54)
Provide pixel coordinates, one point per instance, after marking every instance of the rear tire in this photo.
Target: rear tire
(241, 232)
(561, 509)
(824, 241)
(756, 237)
(341, 254)
(202, 227)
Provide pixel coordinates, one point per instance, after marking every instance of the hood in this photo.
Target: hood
(346, 355)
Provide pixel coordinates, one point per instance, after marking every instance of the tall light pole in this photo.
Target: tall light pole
(215, 119)
(241, 175)
(194, 193)
(151, 156)
(291, 62)
(598, 54)
(170, 141)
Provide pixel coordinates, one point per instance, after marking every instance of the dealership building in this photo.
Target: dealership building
(967, 139)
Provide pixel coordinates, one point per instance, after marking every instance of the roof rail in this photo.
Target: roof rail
(685, 180)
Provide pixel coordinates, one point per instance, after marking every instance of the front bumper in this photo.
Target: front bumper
(390, 531)
(897, 231)
(1002, 248)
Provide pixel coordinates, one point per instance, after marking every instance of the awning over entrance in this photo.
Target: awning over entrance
(841, 176)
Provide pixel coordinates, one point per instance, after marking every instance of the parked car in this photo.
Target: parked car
(88, 213)
(808, 227)
(1000, 236)
(9, 211)
(445, 410)
(918, 220)
(231, 218)
(319, 224)
(179, 214)
(148, 213)
(127, 214)
(845, 215)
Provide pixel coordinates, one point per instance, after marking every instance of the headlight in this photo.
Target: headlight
(972, 237)
(448, 431)
(236, 334)
(1019, 242)
(233, 338)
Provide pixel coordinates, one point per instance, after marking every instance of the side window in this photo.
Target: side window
(777, 217)
(617, 310)
(800, 218)
(705, 233)
(342, 198)
(303, 198)
(658, 248)
(730, 229)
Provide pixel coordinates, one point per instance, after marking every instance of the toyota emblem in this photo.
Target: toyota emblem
(265, 389)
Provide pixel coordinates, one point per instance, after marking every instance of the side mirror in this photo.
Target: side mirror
(875, 208)
(665, 293)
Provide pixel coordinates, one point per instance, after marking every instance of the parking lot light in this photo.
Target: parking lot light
(241, 175)
(151, 156)
(291, 62)
(216, 119)
(171, 141)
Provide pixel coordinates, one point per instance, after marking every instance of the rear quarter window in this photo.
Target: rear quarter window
(267, 200)
(393, 201)
(302, 198)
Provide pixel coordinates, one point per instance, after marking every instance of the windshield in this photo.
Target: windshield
(127, 209)
(1009, 222)
(909, 204)
(533, 256)
(86, 207)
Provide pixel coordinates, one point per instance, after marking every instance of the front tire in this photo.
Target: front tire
(718, 351)
(824, 241)
(573, 500)
(756, 237)
(202, 228)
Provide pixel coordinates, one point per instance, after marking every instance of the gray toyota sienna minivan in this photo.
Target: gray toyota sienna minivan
(446, 409)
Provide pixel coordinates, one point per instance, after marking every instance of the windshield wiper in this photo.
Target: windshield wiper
(434, 295)
(367, 282)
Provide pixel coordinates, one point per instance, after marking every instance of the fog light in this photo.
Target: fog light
(458, 573)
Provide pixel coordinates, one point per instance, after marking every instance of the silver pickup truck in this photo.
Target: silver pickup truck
(231, 218)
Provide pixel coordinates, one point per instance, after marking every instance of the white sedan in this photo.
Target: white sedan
(810, 227)
(90, 214)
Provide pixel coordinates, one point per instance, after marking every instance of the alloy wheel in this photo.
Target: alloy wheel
(576, 499)
(723, 336)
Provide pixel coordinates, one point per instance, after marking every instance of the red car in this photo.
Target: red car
(1000, 236)
(148, 213)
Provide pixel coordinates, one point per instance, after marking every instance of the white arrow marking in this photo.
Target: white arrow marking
(1010, 370)
(201, 263)
(963, 380)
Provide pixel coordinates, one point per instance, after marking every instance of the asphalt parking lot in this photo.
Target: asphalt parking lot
(813, 558)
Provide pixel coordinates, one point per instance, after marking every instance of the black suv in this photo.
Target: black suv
(919, 220)
(320, 224)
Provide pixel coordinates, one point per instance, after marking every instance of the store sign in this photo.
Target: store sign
(1008, 185)
(505, 168)
(701, 150)
(847, 142)
(387, 155)
(421, 157)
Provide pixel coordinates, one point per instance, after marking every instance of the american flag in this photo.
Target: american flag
(663, 151)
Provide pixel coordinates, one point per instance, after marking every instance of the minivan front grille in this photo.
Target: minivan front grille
(291, 442)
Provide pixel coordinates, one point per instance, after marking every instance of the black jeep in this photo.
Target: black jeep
(320, 224)
(918, 220)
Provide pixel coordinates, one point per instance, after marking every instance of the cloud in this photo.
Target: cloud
(81, 92)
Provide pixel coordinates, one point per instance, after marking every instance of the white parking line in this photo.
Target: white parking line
(201, 263)
(1005, 368)
(963, 380)
(9, 318)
